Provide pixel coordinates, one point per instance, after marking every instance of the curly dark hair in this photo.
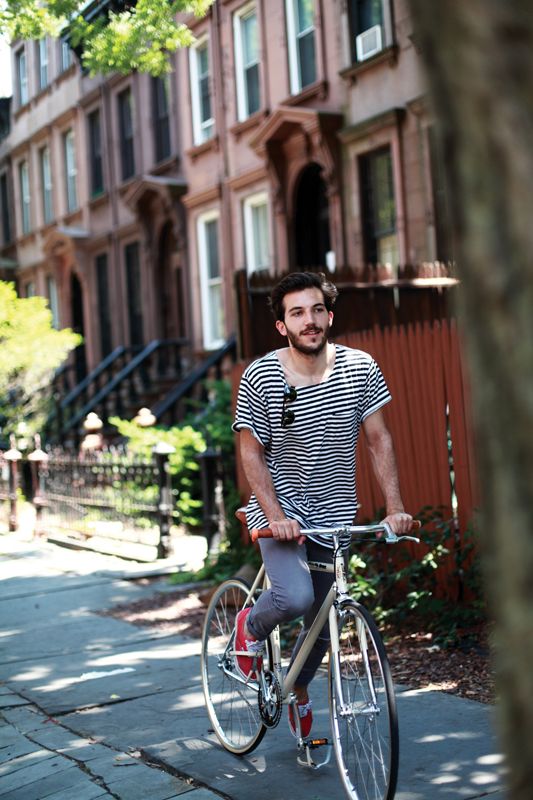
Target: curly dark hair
(295, 282)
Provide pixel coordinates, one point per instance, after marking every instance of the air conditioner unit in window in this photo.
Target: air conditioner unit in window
(368, 43)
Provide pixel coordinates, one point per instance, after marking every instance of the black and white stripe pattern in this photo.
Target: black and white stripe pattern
(312, 461)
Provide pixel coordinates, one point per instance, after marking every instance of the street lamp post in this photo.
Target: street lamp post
(13, 456)
(36, 458)
(162, 451)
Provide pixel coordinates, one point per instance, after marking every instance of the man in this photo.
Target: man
(299, 412)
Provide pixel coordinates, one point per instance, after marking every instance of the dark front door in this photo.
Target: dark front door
(311, 220)
(80, 358)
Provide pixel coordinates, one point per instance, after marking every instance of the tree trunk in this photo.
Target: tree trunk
(479, 58)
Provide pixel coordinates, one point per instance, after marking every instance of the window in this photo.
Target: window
(6, 217)
(104, 313)
(46, 185)
(256, 235)
(53, 302)
(246, 35)
(301, 42)
(70, 171)
(25, 199)
(133, 283)
(125, 121)
(42, 63)
(378, 207)
(29, 289)
(211, 280)
(441, 201)
(161, 119)
(366, 28)
(202, 118)
(22, 76)
(96, 169)
(66, 54)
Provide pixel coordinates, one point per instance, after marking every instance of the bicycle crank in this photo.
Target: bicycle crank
(269, 698)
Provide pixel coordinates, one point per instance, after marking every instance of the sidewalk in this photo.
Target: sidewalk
(93, 707)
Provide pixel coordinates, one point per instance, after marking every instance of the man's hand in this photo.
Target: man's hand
(286, 530)
(399, 522)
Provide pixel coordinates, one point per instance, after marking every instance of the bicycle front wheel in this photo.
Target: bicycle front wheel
(231, 704)
(362, 705)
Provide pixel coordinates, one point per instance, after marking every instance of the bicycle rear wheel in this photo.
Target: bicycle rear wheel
(232, 705)
(362, 705)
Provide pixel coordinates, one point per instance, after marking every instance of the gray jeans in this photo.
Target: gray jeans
(295, 592)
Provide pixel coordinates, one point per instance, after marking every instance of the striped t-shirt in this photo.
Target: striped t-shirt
(312, 461)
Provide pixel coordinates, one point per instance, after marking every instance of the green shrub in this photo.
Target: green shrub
(398, 585)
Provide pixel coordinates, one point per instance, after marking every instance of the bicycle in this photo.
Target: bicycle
(362, 704)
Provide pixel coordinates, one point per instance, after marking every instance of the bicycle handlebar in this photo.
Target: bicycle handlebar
(378, 529)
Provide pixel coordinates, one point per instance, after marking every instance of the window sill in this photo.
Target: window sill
(389, 55)
(99, 199)
(66, 73)
(249, 123)
(160, 167)
(206, 147)
(72, 216)
(26, 238)
(319, 89)
(126, 183)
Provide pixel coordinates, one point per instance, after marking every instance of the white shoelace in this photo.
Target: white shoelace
(254, 646)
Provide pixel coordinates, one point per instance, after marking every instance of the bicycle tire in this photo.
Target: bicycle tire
(232, 706)
(365, 732)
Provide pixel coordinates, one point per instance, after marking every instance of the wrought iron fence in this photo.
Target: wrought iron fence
(128, 502)
(4, 495)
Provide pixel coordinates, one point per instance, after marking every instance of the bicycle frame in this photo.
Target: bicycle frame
(337, 593)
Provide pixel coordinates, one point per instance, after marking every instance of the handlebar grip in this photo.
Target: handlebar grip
(261, 533)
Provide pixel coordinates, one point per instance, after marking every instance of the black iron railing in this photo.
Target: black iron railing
(138, 377)
(170, 408)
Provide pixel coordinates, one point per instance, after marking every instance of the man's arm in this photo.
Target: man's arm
(384, 464)
(260, 480)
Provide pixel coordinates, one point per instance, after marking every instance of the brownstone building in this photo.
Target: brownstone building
(293, 133)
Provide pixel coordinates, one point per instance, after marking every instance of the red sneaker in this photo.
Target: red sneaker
(306, 718)
(247, 665)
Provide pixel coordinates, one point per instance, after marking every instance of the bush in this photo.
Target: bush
(397, 586)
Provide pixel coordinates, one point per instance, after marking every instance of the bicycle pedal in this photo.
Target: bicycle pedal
(306, 760)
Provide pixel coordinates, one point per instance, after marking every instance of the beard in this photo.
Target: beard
(308, 349)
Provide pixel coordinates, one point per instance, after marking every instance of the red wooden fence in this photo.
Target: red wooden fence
(429, 419)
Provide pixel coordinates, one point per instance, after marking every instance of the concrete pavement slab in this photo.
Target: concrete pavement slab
(107, 688)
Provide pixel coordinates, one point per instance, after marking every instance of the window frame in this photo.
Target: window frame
(126, 137)
(23, 93)
(96, 161)
(7, 229)
(46, 184)
(53, 300)
(207, 284)
(243, 101)
(25, 196)
(251, 202)
(367, 211)
(296, 84)
(203, 130)
(43, 64)
(354, 29)
(71, 172)
(161, 118)
(64, 48)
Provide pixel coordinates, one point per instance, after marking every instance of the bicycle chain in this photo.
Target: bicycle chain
(270, 709)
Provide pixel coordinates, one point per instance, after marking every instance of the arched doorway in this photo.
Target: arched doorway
(311, 219)
(76, 303)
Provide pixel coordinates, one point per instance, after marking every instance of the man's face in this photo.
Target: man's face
(307, 321)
